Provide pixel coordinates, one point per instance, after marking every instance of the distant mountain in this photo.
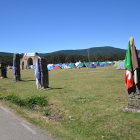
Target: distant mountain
(6, 54)
(93, 50)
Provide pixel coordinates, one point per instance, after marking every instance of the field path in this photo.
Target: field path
(13, 128)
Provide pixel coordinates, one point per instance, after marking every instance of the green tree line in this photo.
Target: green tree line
(67, 58)
(8, 59)
(64, 58)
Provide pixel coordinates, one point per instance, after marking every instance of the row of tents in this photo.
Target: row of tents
(119, 64)
(80, 65)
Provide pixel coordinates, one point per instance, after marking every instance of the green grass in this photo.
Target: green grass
(92, 97)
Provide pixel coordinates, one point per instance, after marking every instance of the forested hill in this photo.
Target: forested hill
(6, 54)
(94, 50)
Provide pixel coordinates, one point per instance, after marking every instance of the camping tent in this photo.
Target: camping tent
(32, 67)
(121, 65)
(90, 65)
(97, 64)
(87, 63)
(102, 65)
(117, 63)
(108, 64)
(84, 65)
(80, 65)
(57, 67)
(63, 65)
(72, 65)
(77, 63)
(50, 67)
(67, 66)
(93, 67)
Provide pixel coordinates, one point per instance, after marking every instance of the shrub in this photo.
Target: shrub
(15, 99)
(28, 102)
(32, 101)
(47, 112)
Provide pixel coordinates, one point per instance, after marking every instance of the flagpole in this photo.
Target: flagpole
(88, 54)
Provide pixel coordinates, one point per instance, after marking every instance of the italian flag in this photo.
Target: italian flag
(128, 71)
(128, 79)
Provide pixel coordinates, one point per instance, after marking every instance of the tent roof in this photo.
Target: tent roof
(121, 65)
(117, 63)
(72, 65)
(67, 66)
(90, 65)
(57, 67)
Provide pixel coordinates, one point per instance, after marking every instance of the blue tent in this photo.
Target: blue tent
(32, 67)
(93, 67)
(102, 65)
(50, 67)
(63, 65)
(90, 65)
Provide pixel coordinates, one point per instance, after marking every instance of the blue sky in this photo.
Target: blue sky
(45, 26)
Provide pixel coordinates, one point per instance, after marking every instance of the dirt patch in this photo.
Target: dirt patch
(53, 114)
(50, 113)
(56, 117)
(4, 89)
(38, 108)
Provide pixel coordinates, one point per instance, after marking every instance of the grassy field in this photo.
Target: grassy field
(84, 104)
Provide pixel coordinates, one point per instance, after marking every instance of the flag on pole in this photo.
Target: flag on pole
(88, 50)
(88, 54)
(129, 79)
(127, 63)
(13, 67)
(37, 73)
(128, 71)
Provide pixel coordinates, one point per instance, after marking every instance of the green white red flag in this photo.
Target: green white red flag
(128, 71)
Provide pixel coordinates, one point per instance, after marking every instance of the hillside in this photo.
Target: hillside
(93, 50)
(6, 54)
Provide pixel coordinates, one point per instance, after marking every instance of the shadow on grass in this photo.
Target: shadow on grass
(56, 88)
(27, 80)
